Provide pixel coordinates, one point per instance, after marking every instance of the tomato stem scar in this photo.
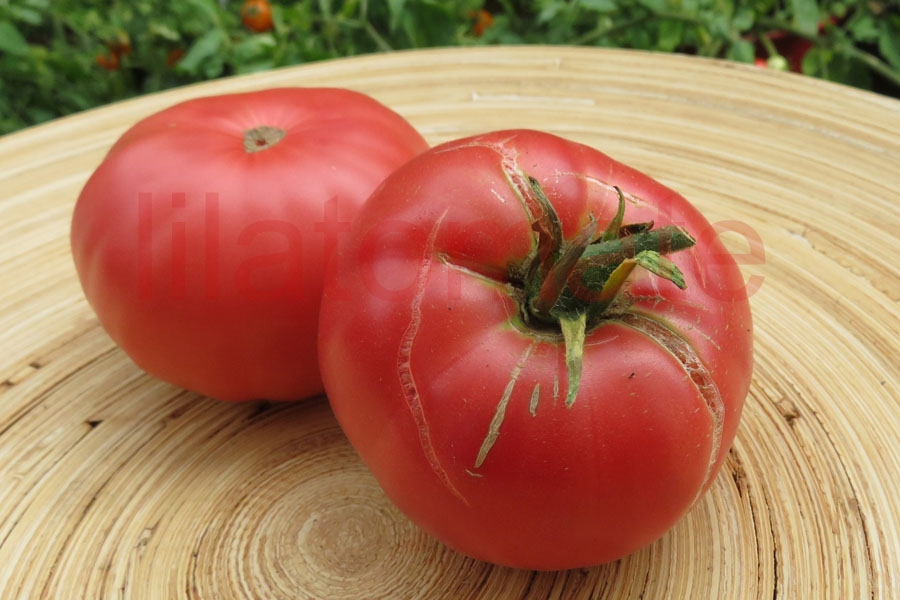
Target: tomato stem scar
(262, 138)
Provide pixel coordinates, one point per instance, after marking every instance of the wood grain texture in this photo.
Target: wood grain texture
(116, 485)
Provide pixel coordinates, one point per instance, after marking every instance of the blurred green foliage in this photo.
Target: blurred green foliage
(62, 56)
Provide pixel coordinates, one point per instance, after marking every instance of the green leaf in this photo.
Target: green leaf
(815, 62)
(602, 6)
(742, 51)
(806, 16)
(164, 31)
(348, 8)
(207, 7)
(254, 47)
(24, 14)
(641, 39)
(719, 24)
(426, 24)
(255, 67)
(395, 9)
(213, 67)
(889, 45)
(848, 71)
(656, 6)
(549, 12)
(204, 48)
(743, 19)
(670, 34)
(11, 40)
(863, 28)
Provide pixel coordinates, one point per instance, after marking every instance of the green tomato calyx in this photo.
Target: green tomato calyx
(571, 286)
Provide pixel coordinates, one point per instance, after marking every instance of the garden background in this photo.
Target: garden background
(58, 57)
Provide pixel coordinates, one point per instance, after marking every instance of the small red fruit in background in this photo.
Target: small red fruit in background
(110, 62)
(483, 20)
(257, 15)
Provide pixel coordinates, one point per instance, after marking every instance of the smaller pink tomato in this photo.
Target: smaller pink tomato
(202, 238)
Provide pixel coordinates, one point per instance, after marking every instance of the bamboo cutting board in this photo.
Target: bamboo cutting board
(116, 485)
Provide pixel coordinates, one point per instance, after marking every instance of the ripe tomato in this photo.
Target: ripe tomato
(505, 342)
(120, 46)
(174, 56)
(257, 15)
(200, 241)
(484, 20)
(110, 62)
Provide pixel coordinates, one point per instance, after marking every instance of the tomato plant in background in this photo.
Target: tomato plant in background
(48, 50)
(201, 239)
(541, 353)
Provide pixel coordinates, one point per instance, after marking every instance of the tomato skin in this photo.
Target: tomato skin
(420, 341)
(256, 15)
(204, 261)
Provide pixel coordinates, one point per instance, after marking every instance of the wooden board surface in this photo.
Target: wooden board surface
(116, 485)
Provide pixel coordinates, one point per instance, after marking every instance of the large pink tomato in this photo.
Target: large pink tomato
(541, 353)
(201, 239)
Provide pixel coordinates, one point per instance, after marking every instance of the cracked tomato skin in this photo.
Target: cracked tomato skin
(200, 240)
(424, 354)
